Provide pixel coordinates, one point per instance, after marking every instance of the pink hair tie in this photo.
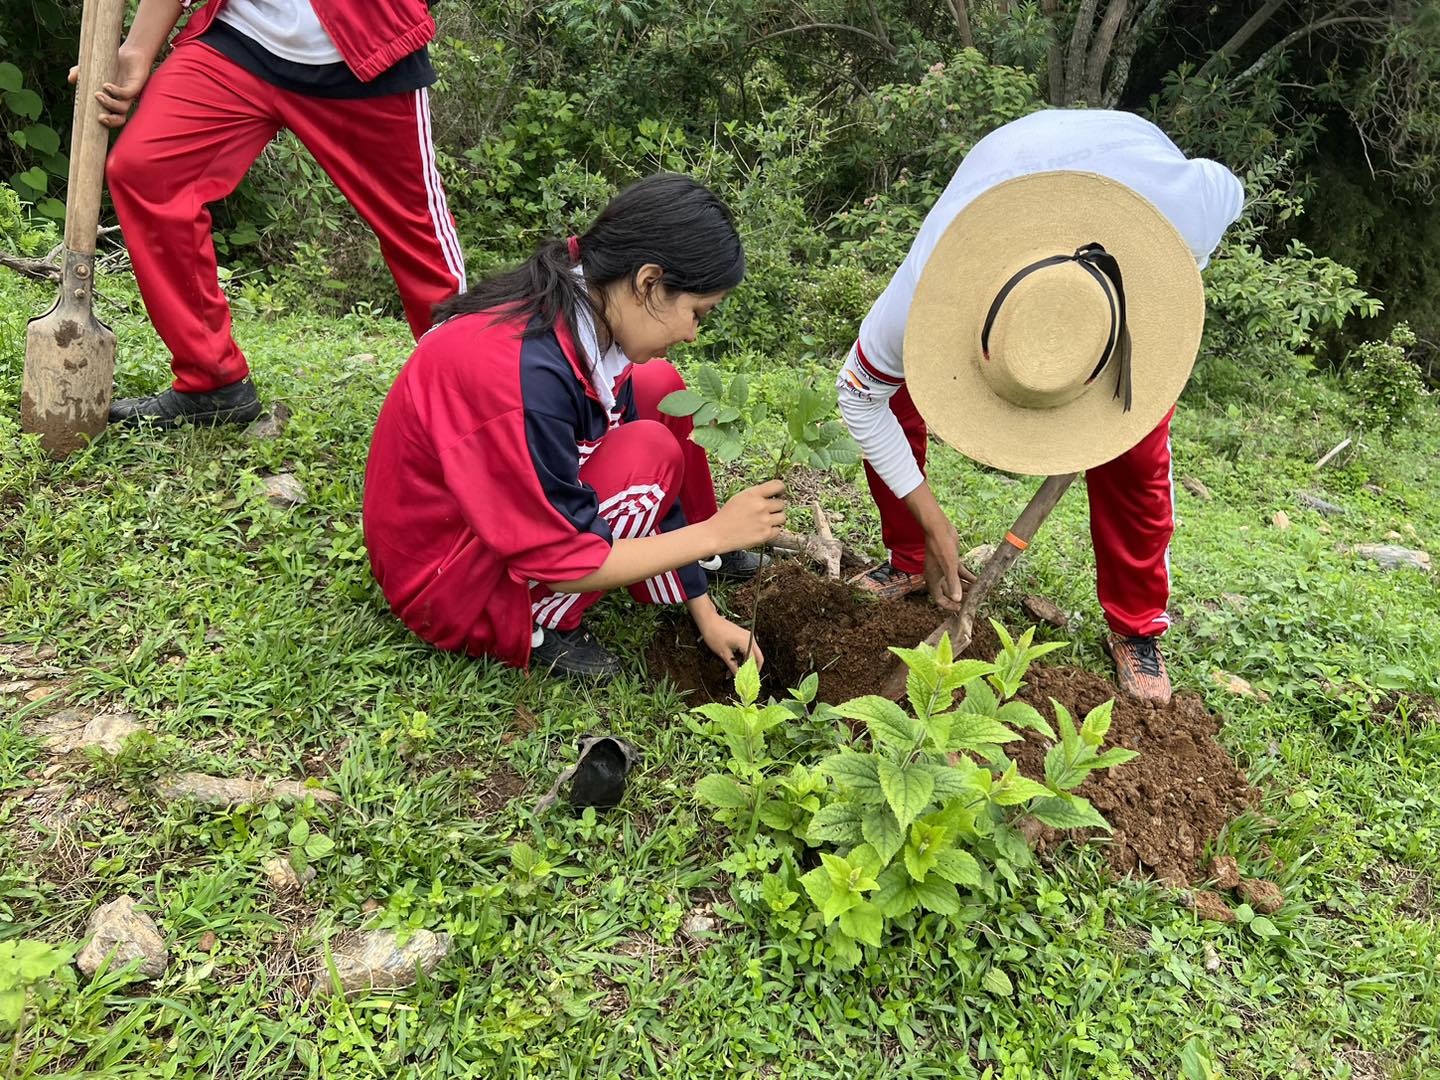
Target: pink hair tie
(574, 245)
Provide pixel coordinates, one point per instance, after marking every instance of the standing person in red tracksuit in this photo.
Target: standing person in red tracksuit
(349, 78)
(520, 465)
(1132, 513)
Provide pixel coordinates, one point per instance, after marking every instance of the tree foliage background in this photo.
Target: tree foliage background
(830, 125)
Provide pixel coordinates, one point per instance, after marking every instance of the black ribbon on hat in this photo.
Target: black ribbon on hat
(1100, 264)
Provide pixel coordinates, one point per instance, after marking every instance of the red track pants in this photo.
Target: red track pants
(201, 123)
(1132, 517)
(638, 471)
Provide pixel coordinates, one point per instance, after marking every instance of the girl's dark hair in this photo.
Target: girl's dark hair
(666, 219)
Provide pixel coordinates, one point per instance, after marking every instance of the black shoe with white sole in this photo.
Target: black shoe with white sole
(237, 403)
(573, 652)
(734, 565)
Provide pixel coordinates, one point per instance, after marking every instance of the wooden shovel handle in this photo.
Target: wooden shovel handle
(99, 41)
(961, 625)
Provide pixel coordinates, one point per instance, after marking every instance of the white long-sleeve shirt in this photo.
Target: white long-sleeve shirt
(1201, 199)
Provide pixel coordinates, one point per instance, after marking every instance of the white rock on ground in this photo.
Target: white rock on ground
(284, 490)
(271, 424)
(374, 959)
(1395, 557)
(232, 791)
(282, 876)
(122, 929)
(75, 729)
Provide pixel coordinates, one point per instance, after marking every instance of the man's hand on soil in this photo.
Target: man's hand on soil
(945, 575)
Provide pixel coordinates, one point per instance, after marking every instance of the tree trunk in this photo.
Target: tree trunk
(1115, 12)
(1125, 50)
(1237, 41)
(1054, 62)
(962, 23)
(1079, 43)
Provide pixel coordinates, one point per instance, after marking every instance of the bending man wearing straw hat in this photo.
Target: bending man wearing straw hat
(1045, 321)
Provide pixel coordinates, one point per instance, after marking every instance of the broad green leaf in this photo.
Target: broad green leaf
(965, 673)
(918, 864)
(681, 403)
(968, 732)
(890, 726)
(12, 1004)
(882, 832)
(739, 390)
(980, 700)
(778, 814)
(1067, 812)
(299, 832)
(921, 659)
(845, 451)
(318, 846)
(854, 771)
(51, 208)
(707, 414)
(747, 682)
(836, 822)
(958, 867)
(1117, 755)
(1024, 715)
(805, 692)
(907, 789)
(1060, 771)
(42, 138)
(24, 103)
(997, 983)
(35, 178)
(821, 891)
(10, 77)
(776, 893)
(722, 792)
(896, 895)
(1264, 927)
(863, 922)
(957, 782)
(1014, 789)
(709, 382)
(937, 895)
(1097, 723)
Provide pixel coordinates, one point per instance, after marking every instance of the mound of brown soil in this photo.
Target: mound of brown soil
(1165, 806)
(1168, 803)
(806, 623)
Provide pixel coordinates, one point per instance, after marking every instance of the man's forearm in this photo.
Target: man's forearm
(926, 508)
(151, 28)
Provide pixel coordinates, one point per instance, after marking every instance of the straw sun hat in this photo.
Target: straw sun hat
(1055, 324)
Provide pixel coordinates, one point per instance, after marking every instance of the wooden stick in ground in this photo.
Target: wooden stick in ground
(828, 547)
(69, 355)
(961, 624)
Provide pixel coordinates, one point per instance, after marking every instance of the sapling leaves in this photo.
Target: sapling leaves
(907, 789)
(898, 818)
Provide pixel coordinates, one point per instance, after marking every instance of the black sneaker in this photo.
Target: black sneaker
(734, 565)
(574, 652)
(234, 404)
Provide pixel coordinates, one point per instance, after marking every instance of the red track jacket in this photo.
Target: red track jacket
(472, 489)
(370, 36)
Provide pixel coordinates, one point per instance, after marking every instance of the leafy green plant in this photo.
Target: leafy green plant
(904, 818)
(26, 969)
(38, 143)
(1387, 385)
(726, 419)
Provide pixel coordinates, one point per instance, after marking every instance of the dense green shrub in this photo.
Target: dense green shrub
(1386, 384)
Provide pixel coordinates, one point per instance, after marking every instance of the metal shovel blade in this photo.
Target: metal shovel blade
(69, 372)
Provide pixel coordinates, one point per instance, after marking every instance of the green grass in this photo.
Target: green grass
(250, 639)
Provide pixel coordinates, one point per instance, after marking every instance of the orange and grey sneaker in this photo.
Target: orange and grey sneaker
(884, 582)
(1139, 668)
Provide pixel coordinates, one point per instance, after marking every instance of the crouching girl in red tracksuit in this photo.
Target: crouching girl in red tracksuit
(520, 465)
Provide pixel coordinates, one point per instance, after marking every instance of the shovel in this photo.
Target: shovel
(69, 354)
(961, 625)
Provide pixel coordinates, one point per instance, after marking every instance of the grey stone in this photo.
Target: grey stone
(1395, 557)
(1319, 505)
(282, 876)
(271, 424)
(232, 791)
(121, 931)
(74, 729)
(374, 959)
(284, 490)
(1196, 488)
